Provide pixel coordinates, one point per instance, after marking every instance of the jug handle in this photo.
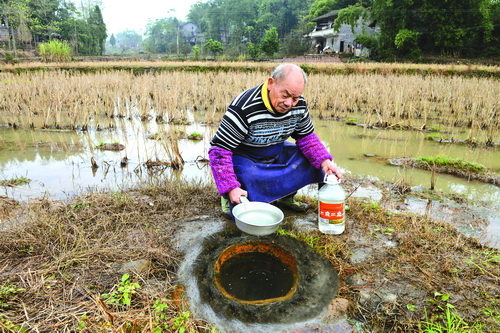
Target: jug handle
(327, 175)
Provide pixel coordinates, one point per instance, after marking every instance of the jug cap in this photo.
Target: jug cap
(331, 179)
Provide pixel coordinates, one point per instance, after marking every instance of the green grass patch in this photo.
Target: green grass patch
(55, 51)
(195, 136)
(433, 136)
(451, 162)
(15, 181)
(435, 129)
(8, 292)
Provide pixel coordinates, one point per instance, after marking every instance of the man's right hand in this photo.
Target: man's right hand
(236, 193)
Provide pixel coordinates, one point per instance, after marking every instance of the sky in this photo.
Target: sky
(120, 15)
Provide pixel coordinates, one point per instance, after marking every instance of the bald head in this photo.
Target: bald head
(286, 69)
(285, 86)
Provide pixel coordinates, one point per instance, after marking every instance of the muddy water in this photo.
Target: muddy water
(351, 144)
(58, 163)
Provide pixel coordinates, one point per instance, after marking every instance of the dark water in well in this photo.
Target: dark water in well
(255, 276)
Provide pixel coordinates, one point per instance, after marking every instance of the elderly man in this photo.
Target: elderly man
(249, 154)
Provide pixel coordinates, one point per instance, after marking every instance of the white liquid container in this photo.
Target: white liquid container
(331, 211)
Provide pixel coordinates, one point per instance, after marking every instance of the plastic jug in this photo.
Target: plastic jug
(331, 211)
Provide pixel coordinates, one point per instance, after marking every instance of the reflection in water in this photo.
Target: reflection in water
(43, 155)
(58, 163)
(349, 144)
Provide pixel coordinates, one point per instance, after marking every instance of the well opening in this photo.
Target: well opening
(256, 273)
(274, 279)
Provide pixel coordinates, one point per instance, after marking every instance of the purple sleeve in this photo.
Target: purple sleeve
(313, 150)
(221, 162)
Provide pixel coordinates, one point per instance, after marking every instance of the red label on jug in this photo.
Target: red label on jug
(331, 211)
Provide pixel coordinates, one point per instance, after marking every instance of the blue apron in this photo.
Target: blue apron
(273, 172)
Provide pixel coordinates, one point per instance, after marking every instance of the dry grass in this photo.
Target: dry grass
(330, 68)
(61, 99)
(426, 256)
(408, 101)
(62, 256)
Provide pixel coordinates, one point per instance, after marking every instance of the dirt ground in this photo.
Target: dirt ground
(64, 265)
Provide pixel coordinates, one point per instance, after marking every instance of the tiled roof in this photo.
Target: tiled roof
(327, 15)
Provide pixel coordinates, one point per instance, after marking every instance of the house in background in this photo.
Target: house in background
(4, 30)
(190, 33)
(326, 39)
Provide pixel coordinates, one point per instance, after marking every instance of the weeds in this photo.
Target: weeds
(7, 292)
(317, 242)
(195, 136)
(435, 129)
(444, 317)
(10, 326)
(13, 182)
(424, 254)
(10, 59)
(122, 293)
(433, 136)
(55, 51)
(65, 255)
(450, 162)
(75, 249)
(386, 231)
(180, 322)
(160, 316)
(163, 323)
(455, 166)
(491, 311)
(485, 262)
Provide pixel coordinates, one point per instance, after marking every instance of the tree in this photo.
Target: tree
(67, 21)
(285, 15)
(294, 44)
(16, 15)
(112, 40)
(443, 27)
(235, 23)
(40, 21)
(350, 16)
(320, 7)
(253, 50)
(161, 36)
(407, 42)
(270, 43)
(214, 46)
(98, 31)
(196, 52)
(225, 20)
(44, 21)
(127, 41)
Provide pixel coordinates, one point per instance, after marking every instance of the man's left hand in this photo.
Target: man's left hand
(330, 168)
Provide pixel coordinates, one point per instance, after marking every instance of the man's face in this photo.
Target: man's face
(285, 94)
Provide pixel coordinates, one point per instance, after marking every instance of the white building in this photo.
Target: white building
(326, 39)
(190, 32)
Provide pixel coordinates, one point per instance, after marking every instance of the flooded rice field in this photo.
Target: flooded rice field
(58, 164)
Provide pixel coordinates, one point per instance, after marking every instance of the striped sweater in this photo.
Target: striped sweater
(250, 121)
